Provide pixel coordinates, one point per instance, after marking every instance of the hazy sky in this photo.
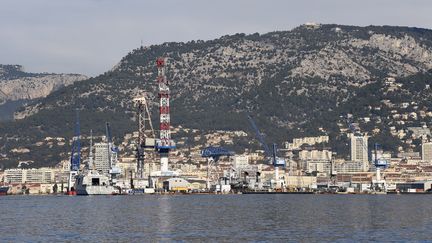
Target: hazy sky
(91, 36)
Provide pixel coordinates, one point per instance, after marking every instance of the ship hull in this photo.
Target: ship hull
(96, 190)
(93, 183)
(4, 190)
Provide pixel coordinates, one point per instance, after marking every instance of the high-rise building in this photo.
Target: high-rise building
(427, 151)
(359, 150)
(101, 160)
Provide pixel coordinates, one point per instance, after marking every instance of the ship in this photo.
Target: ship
(4, 190)
(91, 182)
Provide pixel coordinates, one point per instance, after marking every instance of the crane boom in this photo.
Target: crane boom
(274, 160)
(76, 146)
(108, 132)
(109, 142)
(75, 159)
(260, 137)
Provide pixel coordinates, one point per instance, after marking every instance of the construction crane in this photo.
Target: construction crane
(271, 156)
(146, 135)
(75, 159)
(213, 154)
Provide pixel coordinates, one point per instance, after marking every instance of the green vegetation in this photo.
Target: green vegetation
(218, 93)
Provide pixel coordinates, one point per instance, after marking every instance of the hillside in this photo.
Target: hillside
(296, 83)
(18, 87)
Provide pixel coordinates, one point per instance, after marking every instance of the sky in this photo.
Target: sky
(91, 36)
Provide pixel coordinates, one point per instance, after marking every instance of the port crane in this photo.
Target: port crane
(90, 164)
(213, 154)
(146, 134)
(380, 164)
(75, 159)
(271, 155)
(112, 155)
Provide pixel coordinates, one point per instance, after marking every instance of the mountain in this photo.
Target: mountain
(18, 87)
(295, 83)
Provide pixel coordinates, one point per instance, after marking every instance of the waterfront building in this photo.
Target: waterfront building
(41, 175)
(416, 186)
(14, 176)
(301, 181)
(427, 151)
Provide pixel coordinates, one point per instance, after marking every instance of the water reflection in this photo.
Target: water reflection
(164, 216)
(217, 218)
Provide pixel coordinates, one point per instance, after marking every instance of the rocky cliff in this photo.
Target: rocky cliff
(295, 83)
(17, 85)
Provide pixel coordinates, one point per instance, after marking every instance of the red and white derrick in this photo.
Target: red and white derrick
(165, 143)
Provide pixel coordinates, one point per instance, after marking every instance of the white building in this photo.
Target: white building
(240, 161)
(41, 175)
(312, 25)
(381, 155)
(315, 154)
(359, 150)
(297, 142)
(427, 151)
(101, 160)
(350, 166)
(301, 181)
(320, 166)
(316, 160)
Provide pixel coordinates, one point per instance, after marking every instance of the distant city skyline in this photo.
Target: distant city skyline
(91, 36)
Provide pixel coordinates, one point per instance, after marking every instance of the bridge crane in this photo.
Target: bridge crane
(213, 154)
(271, 156)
